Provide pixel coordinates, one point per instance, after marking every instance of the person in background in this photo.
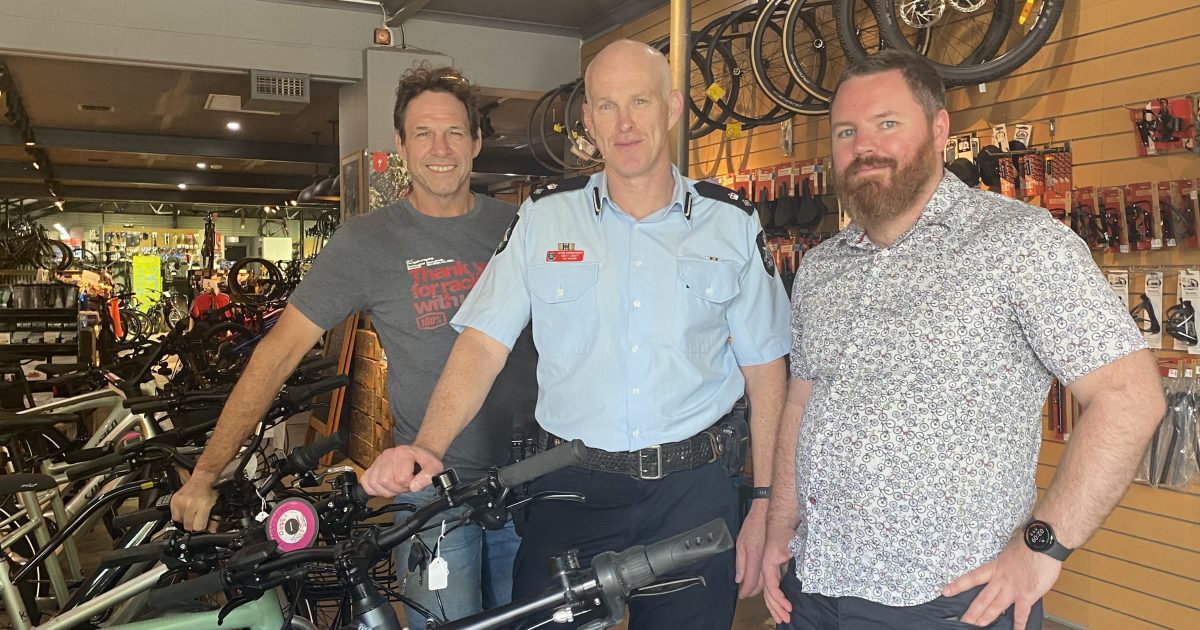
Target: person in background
(924, 339)
(409, 266)
(655, 307)
(211, 300)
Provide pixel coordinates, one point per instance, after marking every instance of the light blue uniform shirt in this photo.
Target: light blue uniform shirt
(640, 326)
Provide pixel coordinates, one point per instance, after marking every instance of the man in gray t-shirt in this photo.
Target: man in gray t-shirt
(409, 266)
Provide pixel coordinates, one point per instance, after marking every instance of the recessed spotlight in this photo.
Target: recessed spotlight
(293, 202)
(182, 186)
(215, 167)
(201, 165)
(30, 143)
(233, 125)
(37, 166)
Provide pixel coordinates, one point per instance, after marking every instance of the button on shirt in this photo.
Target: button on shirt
(931, 360)
(640, 326)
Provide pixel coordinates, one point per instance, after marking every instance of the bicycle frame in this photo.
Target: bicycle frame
(260, 614)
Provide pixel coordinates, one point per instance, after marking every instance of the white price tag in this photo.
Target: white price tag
(439, 574)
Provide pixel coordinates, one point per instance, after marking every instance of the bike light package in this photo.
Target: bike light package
(1085, 220)
(764, 184)
(1033, 174)
(1059, 171)
(1110, 207)
(1059, 205)
(1139, 218)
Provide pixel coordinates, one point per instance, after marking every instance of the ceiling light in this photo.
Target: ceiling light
(293, 202)
(62, 231)
(59, 204)
(37, 166)
(233, 125)
(182, 186)
(215, 167)
(201, 165)
(30, 143)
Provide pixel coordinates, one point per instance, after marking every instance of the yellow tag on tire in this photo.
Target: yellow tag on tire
(715, 92)
(733, 130)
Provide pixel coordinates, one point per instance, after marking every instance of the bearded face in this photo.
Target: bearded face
(876, 189)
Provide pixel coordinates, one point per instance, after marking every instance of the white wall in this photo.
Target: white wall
(326, 42)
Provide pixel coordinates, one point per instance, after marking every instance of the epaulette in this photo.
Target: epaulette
(545, 190)
(720, 193)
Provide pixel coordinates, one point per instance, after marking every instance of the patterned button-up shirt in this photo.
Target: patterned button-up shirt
(931, 359)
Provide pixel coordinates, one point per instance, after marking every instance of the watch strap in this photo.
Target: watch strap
(760, 493)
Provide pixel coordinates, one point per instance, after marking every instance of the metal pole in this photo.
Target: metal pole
(681, 45)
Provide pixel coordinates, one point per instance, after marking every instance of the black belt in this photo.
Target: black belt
(652, 462)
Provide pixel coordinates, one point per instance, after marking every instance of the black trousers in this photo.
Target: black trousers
(811, 611)
(622, 511)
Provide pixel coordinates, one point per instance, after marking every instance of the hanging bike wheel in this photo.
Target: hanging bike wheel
(858, 30)
(972, 41)
(770, 43)
(704, 115)
(736, 33)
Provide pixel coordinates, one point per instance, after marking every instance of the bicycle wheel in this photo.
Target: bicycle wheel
(975, 46)
(747, 109)
(581, 143)
(859, 32)
(770, 45)
(699, 102)
(536, 131)
(55, 255)
(263, 281)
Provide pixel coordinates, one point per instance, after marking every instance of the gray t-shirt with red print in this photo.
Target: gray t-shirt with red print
(410, 272)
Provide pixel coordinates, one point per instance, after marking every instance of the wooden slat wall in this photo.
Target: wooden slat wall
(1142, 569)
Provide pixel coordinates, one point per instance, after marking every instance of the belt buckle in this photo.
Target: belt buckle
(658, 467)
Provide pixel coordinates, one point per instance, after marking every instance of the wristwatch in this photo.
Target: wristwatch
(1039, 536)
(760, 493)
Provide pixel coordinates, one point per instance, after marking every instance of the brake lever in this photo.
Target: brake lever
(549, 495)
(666, 587)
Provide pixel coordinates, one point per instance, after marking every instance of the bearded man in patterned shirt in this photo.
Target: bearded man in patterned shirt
(924, 339)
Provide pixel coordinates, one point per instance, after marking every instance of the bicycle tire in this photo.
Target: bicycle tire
(245, 294)
(535, 133)
(1045, 22)
(575, 126)
(777, 114)
(702, 122)
(765, 22)
(851, 36)
(55, 255)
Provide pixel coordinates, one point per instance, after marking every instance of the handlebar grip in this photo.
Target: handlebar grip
(150, 406)
(163, 598)
(308, 457)
(359, 495)
(526, 470)
(123, 522)
(298, 395)
(149, 552)
(689, 547)
(84, 455)
(90, 468)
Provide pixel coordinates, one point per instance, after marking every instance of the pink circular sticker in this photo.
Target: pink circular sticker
(293, 524)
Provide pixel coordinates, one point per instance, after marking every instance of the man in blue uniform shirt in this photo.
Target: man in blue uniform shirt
(655, 306)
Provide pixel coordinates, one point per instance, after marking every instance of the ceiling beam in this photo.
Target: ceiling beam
(220, 179)
(73, 193)
(174, 145)
(505, 164)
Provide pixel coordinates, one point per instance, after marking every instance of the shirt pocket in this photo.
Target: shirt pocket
(565, 318)
(704, 291)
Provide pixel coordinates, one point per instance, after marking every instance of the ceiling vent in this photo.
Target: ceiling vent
(283, 92)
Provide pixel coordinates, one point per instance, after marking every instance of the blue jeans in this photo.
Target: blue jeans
(480, 562)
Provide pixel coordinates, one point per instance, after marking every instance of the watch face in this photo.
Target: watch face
(1039, 536)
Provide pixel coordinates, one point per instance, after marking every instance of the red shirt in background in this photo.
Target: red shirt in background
(206, 302)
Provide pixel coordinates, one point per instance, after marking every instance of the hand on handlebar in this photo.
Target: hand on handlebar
(400, 469)
(192, 504)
